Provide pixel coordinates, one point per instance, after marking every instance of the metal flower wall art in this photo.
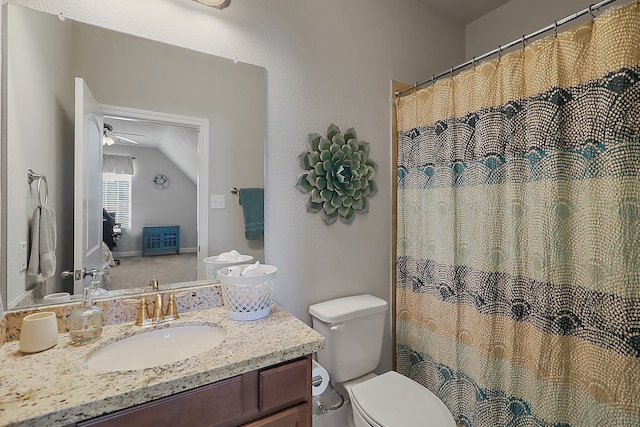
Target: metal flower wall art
(339, 176)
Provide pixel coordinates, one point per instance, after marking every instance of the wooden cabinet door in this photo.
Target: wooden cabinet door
(296, 416)
(282, 391)
(208, 405)
(285, 385)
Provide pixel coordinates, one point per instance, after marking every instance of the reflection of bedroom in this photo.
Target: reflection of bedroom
(155, 232)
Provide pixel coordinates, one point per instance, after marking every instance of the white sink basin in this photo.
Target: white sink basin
(157, 347)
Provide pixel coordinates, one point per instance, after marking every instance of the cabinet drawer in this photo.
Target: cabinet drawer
(285, 384)
(297, 416)
(207, 405)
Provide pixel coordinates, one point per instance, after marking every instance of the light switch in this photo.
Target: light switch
(23, 256)
(217, 201)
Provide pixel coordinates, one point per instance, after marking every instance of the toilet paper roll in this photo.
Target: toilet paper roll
(319, 379)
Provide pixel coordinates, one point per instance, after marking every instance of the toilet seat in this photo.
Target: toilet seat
(393, 400)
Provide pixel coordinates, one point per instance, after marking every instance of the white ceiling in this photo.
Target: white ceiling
(178, 143)
(464, 11)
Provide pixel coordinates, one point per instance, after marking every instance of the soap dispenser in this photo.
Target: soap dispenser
(85, 323)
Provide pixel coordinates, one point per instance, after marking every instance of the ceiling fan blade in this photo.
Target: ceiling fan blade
(127, 133)
(122, 138)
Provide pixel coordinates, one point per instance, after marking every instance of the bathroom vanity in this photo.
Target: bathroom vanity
(276, 396)
(260, 375)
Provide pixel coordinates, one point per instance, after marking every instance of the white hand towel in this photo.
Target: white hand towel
(229, 256)
(43, 242)
(34, 255)
(252, 270)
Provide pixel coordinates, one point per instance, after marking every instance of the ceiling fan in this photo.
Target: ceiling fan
(109, 137)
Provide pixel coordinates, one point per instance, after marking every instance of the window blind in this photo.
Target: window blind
(116, 197)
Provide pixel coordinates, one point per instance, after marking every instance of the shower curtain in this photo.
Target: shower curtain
(518, 232)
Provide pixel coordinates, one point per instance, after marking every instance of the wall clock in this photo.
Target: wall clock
(161, 181)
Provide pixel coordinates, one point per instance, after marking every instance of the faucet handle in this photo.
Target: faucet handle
(154, 284)
(158, 314)
(143, 310)
(172, 308)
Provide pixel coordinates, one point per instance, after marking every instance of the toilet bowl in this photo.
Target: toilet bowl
(393, 400)
(353, 328)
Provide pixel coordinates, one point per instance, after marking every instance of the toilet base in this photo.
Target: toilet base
(332, 409)
(328, 401)
(355, 418)
(344, 415)
(341, 417)
(358, 421)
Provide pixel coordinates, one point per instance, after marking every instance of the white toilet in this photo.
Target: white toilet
(353, 328)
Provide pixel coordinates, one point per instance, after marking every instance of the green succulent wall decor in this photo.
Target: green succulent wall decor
(339, 176)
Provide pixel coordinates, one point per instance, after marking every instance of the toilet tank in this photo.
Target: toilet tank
(353, 328)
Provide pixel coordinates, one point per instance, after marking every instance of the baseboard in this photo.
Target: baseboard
(139, 253)
(126, 254)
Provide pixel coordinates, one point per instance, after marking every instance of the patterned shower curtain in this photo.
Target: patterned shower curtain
(518, 268)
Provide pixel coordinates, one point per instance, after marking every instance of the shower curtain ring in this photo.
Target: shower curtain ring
(591, 12)
(473, 62)
(555, 29)
(524, 39)
(499, 51)
(433, 78)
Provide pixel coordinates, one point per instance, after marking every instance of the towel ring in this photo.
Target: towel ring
(32, 176)
(46, 190)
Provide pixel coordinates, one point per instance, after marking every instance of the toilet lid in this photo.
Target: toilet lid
(393, 400)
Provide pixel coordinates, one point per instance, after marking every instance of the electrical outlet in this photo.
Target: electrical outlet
(23, 256)
(218, 201)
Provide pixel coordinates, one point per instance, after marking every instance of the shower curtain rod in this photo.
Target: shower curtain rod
(523, 40)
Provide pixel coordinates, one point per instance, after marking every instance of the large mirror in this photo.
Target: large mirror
(156, 101)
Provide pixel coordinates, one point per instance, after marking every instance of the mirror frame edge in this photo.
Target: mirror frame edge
(203, 155)
(3, 160)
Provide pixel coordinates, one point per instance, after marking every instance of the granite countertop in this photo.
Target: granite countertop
(55, 387)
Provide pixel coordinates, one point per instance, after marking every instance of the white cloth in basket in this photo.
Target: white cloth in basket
(231, 256)
(247, 270)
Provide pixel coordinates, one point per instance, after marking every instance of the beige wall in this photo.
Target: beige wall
(40, 113)
(328, 61)
(134, 73)
(157, 77)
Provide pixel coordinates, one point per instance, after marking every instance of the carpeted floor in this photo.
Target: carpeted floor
(136, 272)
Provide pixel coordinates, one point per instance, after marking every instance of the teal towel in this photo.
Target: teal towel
(252, 202)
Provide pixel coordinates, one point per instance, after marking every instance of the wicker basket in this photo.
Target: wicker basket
(248, 297)
(213, 265)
